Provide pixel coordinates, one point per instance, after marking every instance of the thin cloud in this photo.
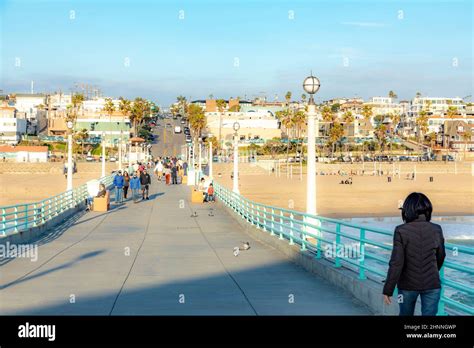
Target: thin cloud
(364, 24)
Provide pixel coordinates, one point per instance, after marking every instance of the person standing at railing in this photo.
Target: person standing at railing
(417, 257)
(118, 183)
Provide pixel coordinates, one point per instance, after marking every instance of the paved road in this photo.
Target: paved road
(153, 258)
(168, 143)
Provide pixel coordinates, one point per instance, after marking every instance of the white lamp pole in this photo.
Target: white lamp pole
(199, 157)
(120, 151)
(103, 154)
(210, 160)
(311, 86)
(69, 156)
(236, 159)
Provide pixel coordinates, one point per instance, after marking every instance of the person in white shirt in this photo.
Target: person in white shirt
(159, 170)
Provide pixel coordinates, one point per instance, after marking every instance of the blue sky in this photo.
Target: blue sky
(362, 48)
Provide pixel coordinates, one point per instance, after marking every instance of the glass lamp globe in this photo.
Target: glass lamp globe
(236, 126)
(311, 84)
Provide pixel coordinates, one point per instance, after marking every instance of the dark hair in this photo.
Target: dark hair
(416, 204)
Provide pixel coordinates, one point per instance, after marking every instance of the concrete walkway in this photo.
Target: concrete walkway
(153, 258)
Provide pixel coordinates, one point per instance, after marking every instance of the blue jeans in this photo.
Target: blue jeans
(134, 194)
(429, 301)
(118, 194)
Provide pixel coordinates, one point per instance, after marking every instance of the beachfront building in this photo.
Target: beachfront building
(96, 105)
(436, 105)
(114, 127)
(23, 153)
(458, 135)
(384, 106)
(12, 125)
(33, 106)
(436, 122)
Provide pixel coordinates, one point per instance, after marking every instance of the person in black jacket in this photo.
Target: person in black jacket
(145, 181)
(417, 256)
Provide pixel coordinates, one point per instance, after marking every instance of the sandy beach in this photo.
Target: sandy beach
(450, 194)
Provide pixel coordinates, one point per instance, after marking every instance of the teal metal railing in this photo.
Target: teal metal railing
(20, 217)
(318, 235)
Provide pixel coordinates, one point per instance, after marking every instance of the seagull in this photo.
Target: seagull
(245, 246)
(236, 251)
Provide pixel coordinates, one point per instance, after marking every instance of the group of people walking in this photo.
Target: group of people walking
(132, 179)
(170, 170)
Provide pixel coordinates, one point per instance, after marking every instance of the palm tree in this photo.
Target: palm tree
(392, 94)
(348, 117)
(288, 98)
(303, 97)
(367, 112)
(451, 112)
(125, 107)
(381, 135)
(221, 105)
(77, 99)
(196, 119)
(137, 115)
(82, 135)
(466, 136)
(422, 123)
(418, 94)
(182, 103)
(335, 134)
(286, 119)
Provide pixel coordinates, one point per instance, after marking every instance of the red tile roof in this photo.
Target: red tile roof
(23, 148)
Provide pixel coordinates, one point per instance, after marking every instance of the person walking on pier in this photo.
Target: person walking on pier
(174, 174)
(417, 257)
(118, 183)
(145, 181)
(159, 170)
(126, 184)
(135, 186)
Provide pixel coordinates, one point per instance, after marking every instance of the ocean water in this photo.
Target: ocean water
(457, 230)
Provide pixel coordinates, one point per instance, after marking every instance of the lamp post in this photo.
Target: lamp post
(103, 154)
(70, 124)
(236, 158)
(210, 160)
(311, 85)
(120, 150)
(199, 158)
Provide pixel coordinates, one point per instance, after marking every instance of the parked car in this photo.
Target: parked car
(112, 159)
(90, 159)
(448, 158)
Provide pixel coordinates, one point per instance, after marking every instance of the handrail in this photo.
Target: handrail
(19, 217)
(316, 234)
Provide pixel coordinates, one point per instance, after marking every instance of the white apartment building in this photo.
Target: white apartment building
(385, 106)
(436, 106)
(255, 125)
(436, 122)
(97, 104)
(60, 101)
(12, 125)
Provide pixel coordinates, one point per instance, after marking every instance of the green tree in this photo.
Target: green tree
(196, 119)
(288, 98)
(82, 136)
(137, 114)
(381, 135)
(367, 112)
(303, 97)
(348, 117)
(335, 134)
(392, 94)
(451, 112)
(422, 123)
